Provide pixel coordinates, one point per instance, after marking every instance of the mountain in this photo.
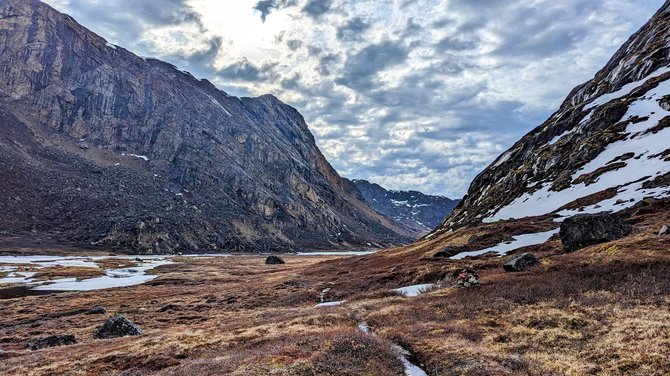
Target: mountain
(607, 148)
(414, 210)
(103, 148)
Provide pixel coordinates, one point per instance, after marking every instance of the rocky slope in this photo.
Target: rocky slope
(417, 212)
(607, 148)
(102, 147)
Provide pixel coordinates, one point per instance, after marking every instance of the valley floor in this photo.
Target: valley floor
(601, 310)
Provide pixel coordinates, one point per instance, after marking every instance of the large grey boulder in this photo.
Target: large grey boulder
(663, 231)
(520, 263)
(51, 341)
(117, 326)
(589, 229)
(274, 260)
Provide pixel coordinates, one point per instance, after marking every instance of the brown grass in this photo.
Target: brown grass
(112, 263)
(602, 310)
(55, 272)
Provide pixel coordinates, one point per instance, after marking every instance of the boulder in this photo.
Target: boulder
(446, 252)
(51, 341)
(585, 230)
(663, 231)
(117, 326)
(520, 263)
(274, 260)
(96, 311)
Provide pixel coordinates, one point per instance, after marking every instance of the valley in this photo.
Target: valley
(153, 224)
(605, 307)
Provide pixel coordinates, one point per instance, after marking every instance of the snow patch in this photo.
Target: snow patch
(414, 290)
(144, 157)
(626, 89)
(519, 241)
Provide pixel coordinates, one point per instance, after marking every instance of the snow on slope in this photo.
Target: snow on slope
(647, 164)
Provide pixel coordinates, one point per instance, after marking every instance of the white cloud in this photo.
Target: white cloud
(410, 94)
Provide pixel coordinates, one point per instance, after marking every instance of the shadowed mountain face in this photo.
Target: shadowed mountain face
(417, 212)
(104, 148)
(607, 148)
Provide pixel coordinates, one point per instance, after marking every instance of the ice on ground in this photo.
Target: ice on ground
(112, 46)
(113, 278)
(519, 241)
(402, 354)
(414, 290)
(331, 304)
(410, 368)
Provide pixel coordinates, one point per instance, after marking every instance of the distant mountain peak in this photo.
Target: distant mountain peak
(417, 212)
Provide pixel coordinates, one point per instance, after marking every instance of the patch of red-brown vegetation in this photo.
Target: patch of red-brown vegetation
(600, 310)
(56, 272)
(590, 199)
(592, 177)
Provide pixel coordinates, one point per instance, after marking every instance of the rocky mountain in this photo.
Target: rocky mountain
(413, 210)
(607, 148)
(104, 148)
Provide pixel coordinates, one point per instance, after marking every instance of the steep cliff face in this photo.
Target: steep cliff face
(606, 148)
(415, 211)
(114, 150)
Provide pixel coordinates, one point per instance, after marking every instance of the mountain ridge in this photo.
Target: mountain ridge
(557, 169)
(226, 173)
(415, 210)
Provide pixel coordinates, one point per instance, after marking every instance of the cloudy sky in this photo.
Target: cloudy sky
(411, 94)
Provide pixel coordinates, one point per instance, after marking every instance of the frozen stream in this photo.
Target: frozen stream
(129, 276)
(20, 270)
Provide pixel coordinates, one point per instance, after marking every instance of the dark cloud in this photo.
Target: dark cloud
(317, 8)
(294, 44)
(454, 44)
(353, 30)
(244, 70)
(360, 67)
(265, 7)
(326, 61)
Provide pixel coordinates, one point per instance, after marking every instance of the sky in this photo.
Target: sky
(409, 94)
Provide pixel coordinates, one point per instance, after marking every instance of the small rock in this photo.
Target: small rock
(169, 307)
(97, 311)
(467, 277)
(663, 231)
(138, 259)
(520, 263)
(117, 326)
(446, 252)
(84, 146)
(585, 230)
(274, 260)
(51, 341)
